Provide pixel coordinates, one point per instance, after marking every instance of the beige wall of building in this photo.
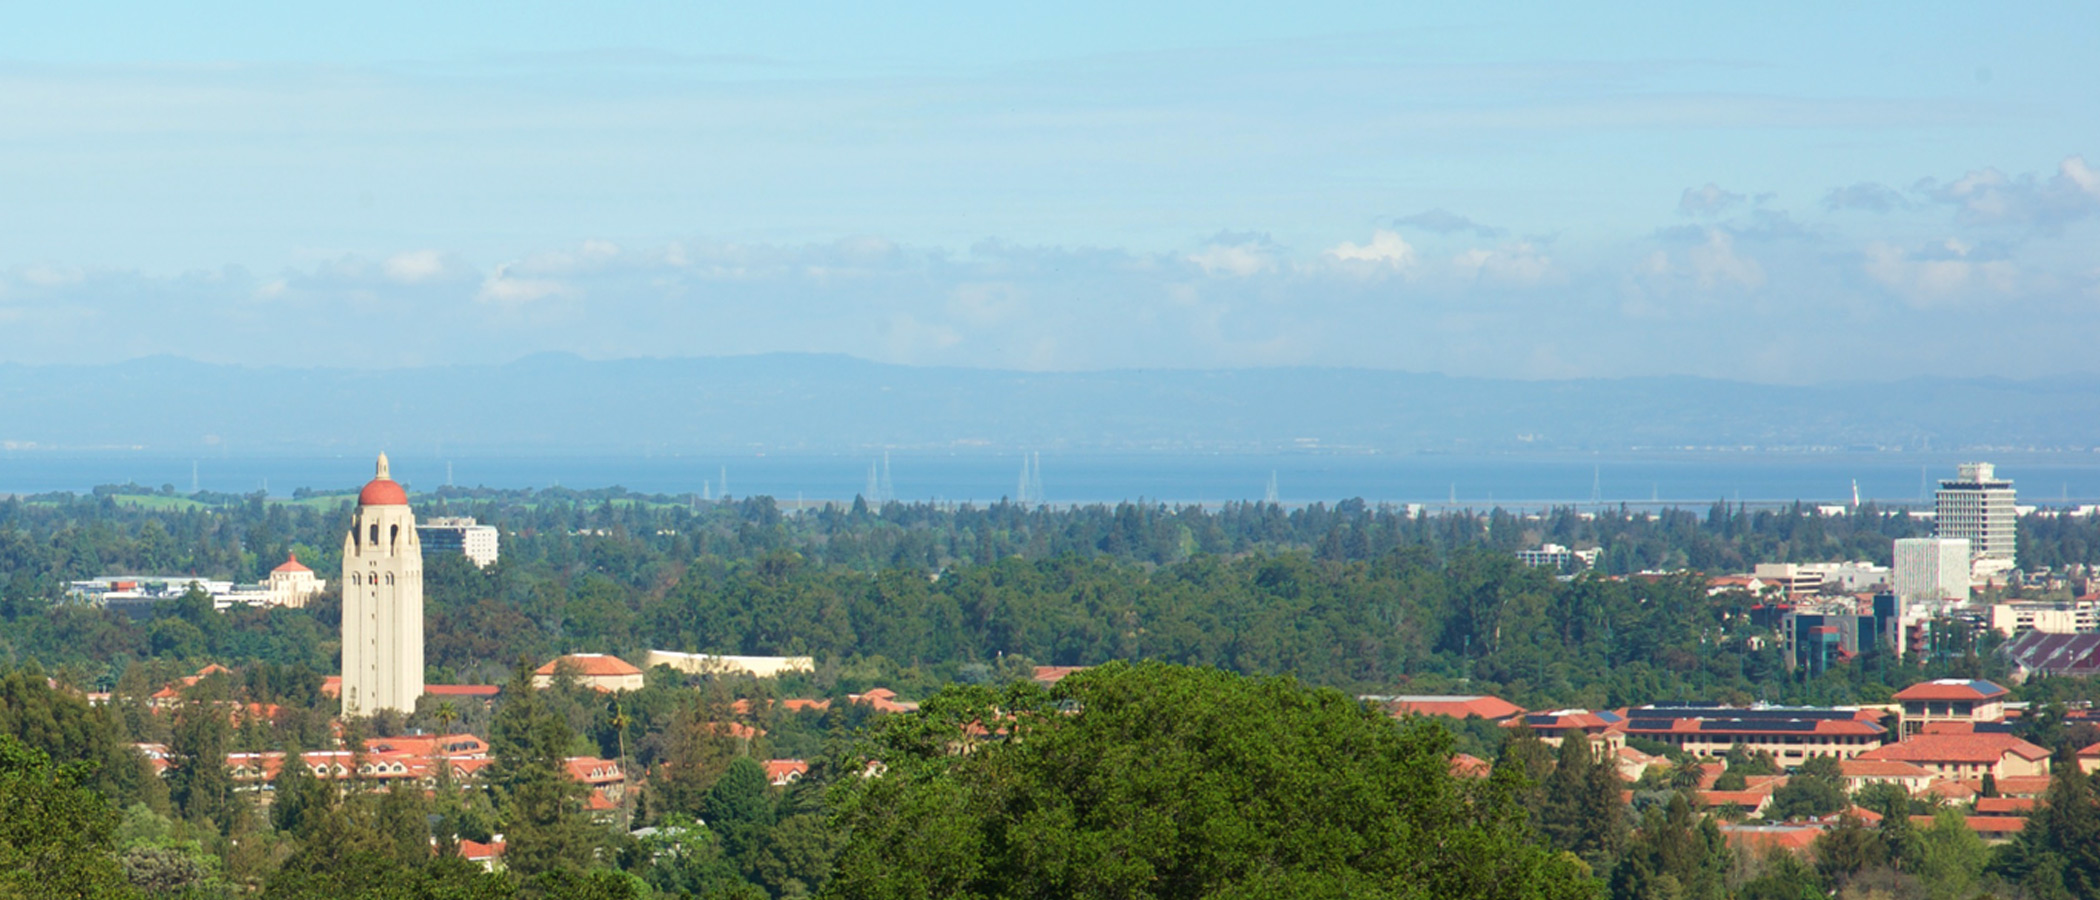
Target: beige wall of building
(382, 602)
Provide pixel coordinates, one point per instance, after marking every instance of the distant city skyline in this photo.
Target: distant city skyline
(1771, 195)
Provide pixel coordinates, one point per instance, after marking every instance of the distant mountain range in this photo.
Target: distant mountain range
(788, 403)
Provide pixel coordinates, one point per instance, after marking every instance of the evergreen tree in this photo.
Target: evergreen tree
(2058, 853)
(1847, 849)
(1582, 812)
(1167, 782)
(541, 806)
(198, 780)
(1817, 788)
(55, 834)
(1951, 857)
(1676, 854)
(740, 809)
(1784, 877)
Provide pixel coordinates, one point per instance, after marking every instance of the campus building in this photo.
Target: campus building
(1977, 506)
(1790, 733)
(1933, 571)
(461, 535)
(382, 602)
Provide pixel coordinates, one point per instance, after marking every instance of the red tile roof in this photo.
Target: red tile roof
(292, 565)
(1054, 674)
(1882, 768)
(2013, 786)
(597, 665)
(1952, 689)
(461, 690)
(592, 770)
(1981, 824)
(1760, 838)
(1487, 707)
(2004, 806)
(1977, 749)
(782, 771)
(1466, 765)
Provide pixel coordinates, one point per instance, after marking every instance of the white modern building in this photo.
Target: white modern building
(2049, 617)
(1558, 557)
(461, 535)
(1932, 571)
(290, 584)
(382, 602)
(1976, 505)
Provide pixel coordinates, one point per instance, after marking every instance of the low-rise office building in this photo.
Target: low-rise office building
(461, 535)
(1957, 700)
(1790, 733)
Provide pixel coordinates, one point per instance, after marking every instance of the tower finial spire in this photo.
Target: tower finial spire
(382, 468)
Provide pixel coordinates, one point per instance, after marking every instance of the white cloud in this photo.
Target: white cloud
(1715, 263)
(1386, 250)
(415, 266)
(1517, 264)
(1943, 274)
(1991, 197)
(503, 288)
(1239, 260)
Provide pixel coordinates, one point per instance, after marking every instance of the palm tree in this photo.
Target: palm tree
(445, 714)
(620, 721)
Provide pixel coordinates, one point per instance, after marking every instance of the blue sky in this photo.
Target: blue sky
(1761, 192)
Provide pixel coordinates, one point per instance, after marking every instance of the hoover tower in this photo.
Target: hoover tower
(382, 602)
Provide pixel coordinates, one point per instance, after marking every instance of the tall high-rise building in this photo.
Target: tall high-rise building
(1932, 571)
(1977, 506)
(382, 602)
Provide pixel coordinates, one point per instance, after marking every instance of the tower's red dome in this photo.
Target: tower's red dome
(382, 492)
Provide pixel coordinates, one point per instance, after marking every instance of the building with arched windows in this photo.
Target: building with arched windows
(382, 602)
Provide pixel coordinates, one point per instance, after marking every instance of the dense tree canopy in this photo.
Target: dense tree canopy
(1158, 781)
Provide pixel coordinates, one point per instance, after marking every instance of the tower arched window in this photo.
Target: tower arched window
(389, 578)
(357, 578)
(375, 534)
(393, 536)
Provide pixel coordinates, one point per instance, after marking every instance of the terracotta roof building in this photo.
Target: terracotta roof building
(1951, 700)
(1860, 772)
(1461, 706)
(784, 772)
(1790, 733)
(1602, 727)
(2001, 756)
(592, 670)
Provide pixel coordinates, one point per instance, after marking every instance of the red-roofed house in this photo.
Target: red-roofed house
(592, 670)
(1049, 675)
(1466, 765)
(489, 856)
(608, 783)
(1601, 727)
(1951, 700)
(883, 700)
(2001, 756)
(784, 772)
(1463, 706)
(2089, 758)
(1760, 839)
(1909, 776)
(2004, 806)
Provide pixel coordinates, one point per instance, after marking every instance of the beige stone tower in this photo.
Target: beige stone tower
(382, 602)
